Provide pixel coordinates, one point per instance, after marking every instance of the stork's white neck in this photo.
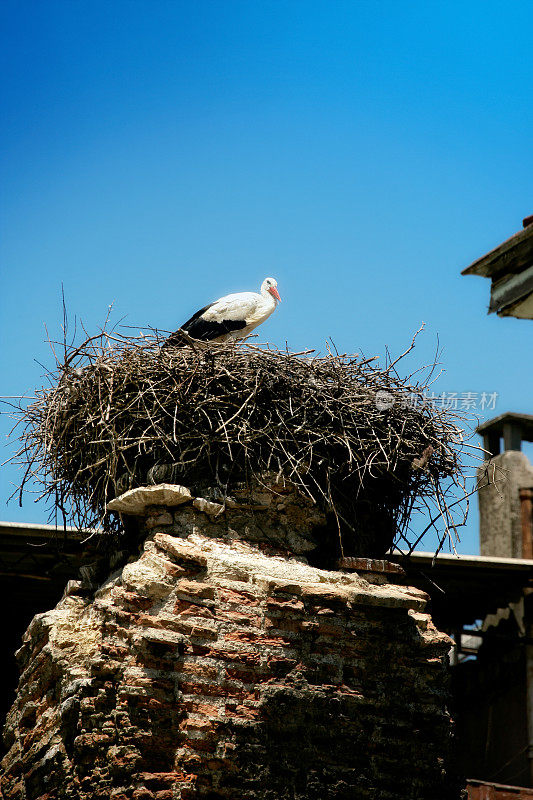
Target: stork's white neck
(266, 294)
(268, 303)
(269, 299)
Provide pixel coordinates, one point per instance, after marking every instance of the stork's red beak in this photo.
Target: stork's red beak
(274, 292)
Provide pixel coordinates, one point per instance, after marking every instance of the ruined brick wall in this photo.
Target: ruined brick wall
(209, 669)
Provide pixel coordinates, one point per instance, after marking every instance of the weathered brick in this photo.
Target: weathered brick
(197, 707)
(245, 674)
(244, 711)
(197, 724)
(288, 605)
(182, 552)
(238, 618)
(284, 587)
(288, 624)
(250, 658)
(201, 670)
(157, 780)
(195, 589)
(252, 636)
(215, 690)
(133, 601)
(184, 608)
(195, 630)
(237, 599)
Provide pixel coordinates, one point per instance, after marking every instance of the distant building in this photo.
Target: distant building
(493, 681)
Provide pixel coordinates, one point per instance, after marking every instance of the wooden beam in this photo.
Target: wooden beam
(511, 256)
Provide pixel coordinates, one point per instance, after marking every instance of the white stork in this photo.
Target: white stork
(231, 317)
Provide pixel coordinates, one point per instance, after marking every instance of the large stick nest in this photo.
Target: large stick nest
(357, 439)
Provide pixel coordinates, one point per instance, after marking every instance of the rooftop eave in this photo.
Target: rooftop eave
(512, 256)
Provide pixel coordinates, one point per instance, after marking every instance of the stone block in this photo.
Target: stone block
(137, 501)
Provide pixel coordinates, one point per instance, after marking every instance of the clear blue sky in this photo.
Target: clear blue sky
(157, 154)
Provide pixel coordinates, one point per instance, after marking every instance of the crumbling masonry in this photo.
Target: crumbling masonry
(217, 664)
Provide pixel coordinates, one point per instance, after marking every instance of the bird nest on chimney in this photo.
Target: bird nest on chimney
(357, 439)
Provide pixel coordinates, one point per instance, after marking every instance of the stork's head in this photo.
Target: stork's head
(270, 285)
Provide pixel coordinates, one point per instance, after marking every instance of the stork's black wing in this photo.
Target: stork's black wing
(205, 330)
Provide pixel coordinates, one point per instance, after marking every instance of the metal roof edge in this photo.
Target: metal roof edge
(493, 562)
(40, 529)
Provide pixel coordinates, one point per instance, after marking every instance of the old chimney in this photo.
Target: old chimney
(501, 525)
